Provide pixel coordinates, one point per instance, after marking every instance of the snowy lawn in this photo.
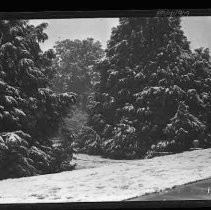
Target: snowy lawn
(114, 182)
(93, 161)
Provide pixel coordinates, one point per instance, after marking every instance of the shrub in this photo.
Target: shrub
(87, 141)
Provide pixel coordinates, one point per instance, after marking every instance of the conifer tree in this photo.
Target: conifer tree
(147, 72)
(29, 110)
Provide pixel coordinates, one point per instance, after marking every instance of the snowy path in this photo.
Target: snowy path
(114, 182)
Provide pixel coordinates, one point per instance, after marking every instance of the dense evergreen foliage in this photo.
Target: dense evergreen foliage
(153, 93)
(74, 66)
(30, 111)
(87, 141)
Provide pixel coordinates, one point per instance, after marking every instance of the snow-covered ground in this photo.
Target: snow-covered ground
(93, 161)
(112, 182)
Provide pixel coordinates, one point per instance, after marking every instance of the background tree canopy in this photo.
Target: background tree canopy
(75, 66)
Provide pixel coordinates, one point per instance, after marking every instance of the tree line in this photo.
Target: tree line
(148, 92)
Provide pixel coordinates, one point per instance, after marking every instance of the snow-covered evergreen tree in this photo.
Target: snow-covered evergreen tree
(29, 110)
(147, 72)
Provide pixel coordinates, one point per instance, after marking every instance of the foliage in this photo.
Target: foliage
(148, 71)
(27, 104)
(17, 157)
(62, 154)
(74, 64)
(181, 132)
(87, 141)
